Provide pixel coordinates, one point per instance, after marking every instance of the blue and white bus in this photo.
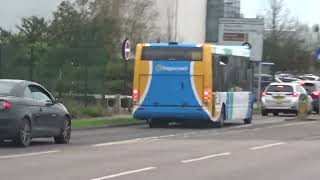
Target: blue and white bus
(191, 82)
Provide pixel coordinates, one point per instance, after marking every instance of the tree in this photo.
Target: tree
(34, 30)
(284, 40)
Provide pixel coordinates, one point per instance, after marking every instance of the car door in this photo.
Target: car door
(53, 120)
(42, 117)
(37, 110)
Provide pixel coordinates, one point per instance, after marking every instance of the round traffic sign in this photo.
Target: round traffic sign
(126, 49)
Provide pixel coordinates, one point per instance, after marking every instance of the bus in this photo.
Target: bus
(177, 82)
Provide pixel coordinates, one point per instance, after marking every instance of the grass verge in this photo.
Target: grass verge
(103, 122)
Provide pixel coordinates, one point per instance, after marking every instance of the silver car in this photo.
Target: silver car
(288, 98)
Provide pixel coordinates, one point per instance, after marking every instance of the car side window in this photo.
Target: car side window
(39, 94)
(27, 93)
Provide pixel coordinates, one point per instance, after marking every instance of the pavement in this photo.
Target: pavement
(271, 148)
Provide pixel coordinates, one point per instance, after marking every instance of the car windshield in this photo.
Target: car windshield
(288, 79)
(279, 88)
(6, 88)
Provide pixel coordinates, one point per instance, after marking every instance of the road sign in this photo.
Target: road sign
(318, 55)
(238, 31)
(126, 50)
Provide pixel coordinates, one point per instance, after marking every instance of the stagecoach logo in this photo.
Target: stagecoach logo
(160, 68)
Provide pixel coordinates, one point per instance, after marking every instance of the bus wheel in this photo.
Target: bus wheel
(151, 123)
(248, 120)
(220, 122)
(157, 124)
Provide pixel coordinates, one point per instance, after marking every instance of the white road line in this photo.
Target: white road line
(29, 154)
(131, 141)
(125, 173)
(267, 146)
(206, 157)
(292, 124)
(201, 133)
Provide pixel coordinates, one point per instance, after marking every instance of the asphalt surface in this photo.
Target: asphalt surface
(270, 148)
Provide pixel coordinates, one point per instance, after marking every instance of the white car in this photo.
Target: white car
(286, 98)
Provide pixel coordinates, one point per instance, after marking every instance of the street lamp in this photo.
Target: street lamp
(0, 58)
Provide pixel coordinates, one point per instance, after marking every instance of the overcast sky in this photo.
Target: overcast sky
(11, 11)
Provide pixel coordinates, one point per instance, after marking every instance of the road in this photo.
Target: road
(270, 148)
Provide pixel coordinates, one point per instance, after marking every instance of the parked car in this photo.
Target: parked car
(313, 89)
(284, 98)
(28, 110)
(309, 77)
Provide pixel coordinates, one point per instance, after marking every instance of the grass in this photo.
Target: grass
(256, 110)
(103, 122)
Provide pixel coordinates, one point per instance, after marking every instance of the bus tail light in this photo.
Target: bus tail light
(207, 95)
(135, 94)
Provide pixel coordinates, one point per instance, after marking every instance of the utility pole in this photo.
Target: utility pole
(176, 21)
(0, 59)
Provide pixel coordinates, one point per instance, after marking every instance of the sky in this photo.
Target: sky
(11, 11)
(306, 11)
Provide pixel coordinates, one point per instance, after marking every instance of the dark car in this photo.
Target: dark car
(313, 89)
(28, 110)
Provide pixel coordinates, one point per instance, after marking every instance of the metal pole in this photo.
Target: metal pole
(176, 22)
(125, 77)
(0, 59)
(259, 85)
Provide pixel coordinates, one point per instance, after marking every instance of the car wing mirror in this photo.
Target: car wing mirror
(57, 100)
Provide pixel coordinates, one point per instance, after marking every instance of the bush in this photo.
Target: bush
(74, 107)
(92, 111)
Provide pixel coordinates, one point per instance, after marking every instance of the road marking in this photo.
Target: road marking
(131, 141)
(241, 126)
(206, 157)
(201, 133)
(292, 124)
(267, 146)
(29, 154)
(125, 173)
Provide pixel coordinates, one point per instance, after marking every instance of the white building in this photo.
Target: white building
(182, 20)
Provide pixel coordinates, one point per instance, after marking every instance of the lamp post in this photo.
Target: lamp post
(0, 58)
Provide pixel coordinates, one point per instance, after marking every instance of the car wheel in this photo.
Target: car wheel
(65, 133)
(264, 113)
(276, 114)
(317, 111)
(23, 138)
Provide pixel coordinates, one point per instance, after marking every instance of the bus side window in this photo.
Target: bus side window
(224, 60)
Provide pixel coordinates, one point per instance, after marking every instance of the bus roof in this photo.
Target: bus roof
(241, 51)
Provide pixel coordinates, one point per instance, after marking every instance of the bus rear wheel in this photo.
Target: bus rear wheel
(157, 124)
(248, 120)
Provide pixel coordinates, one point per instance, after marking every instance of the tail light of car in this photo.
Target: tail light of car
(207, 95)
(295, 94)
(5, 105)
(315, 94)
(263, 94)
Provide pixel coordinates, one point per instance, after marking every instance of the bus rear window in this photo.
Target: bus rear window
(280, 88)
(172, 54)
